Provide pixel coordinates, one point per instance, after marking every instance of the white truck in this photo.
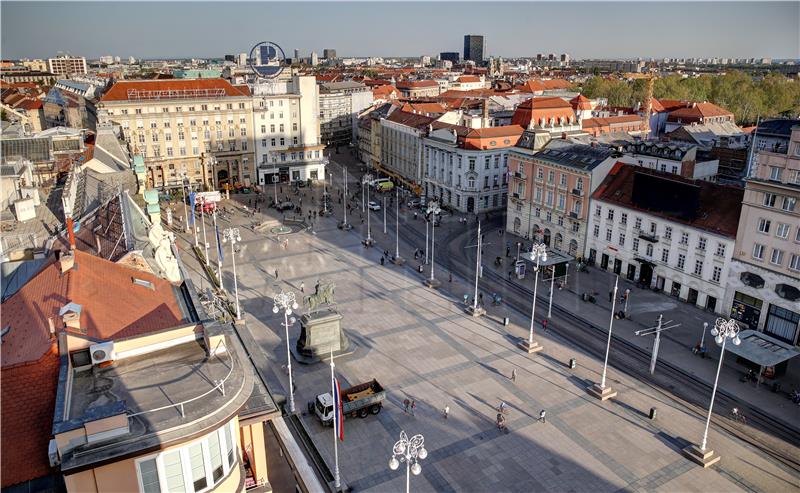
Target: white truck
(361, 400)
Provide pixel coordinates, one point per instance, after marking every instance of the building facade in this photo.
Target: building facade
(67, 65)
(764, 285)
(418, 88)
(197, 129)
(288, 147)
(340, 103)
(474, 48)
(686, 160)
(401, 146)
(466, 169)
(638, 230)
(450, 56)
(550, 188)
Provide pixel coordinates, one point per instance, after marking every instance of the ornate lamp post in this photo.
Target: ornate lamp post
(410, 451)
(722, 331)
(539, 253)
(232, 235)
(183, 194)
(285, 301)
(398, 260)
(432, 211)
(600, 390)
(365, 184)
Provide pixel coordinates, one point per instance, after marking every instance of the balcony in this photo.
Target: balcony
(573, 215)
(646, 235)
(539, 179)
(578, 192)
(520, 175)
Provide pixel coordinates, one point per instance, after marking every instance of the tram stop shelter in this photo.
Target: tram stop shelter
(770, 355)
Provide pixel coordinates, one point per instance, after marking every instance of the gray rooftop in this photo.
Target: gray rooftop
(581, 156)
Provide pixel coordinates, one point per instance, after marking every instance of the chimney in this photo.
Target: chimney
(67, 261)
(485, 113)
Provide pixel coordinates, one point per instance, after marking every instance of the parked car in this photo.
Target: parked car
(374, 205)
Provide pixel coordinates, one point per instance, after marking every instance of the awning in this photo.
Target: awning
(553, 258)
(643, 260)
(762, 349)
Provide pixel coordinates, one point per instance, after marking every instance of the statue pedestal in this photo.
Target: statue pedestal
(321, 332)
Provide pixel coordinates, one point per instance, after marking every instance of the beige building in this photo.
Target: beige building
(198, 128)
(67, 65)
(763, 290)
(418, 88)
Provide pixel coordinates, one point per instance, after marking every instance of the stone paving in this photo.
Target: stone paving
(419, 345)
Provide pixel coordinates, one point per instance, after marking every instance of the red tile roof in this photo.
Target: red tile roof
(581, 102)
(424, 108)
(504, 131)
(698, 111)
(468, 78)
(416, 84)
(544, 107)
(385, 91)
(119, 91)
(612, 120)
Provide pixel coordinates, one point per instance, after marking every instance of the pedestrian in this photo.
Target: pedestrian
(451, 277)
(544, 326)
(382, 260)
(502, 407)
(420, 268)
(480, 299)
(302, 287)
(513, 374)
(276, 274)
(446, 411)
(508, 252)
(316, 288)
(610, 296)
(406, 403)
(542, 416)
(413, 407)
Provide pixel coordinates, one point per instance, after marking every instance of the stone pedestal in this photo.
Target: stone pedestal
(602, 394)
(433, 283)
(530, 347)
(705, 458)
(476, 311)
(398, 260)
(321, 332)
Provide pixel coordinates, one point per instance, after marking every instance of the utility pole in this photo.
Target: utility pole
(657, 329)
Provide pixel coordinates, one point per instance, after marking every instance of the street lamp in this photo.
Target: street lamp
(286, 301)
(410, 451)
(538, 252)
(203, 222)
(183, 194)
(600, 390)
(722, 331)
(432, 211)
(398, 260)
(365, 184)
(232, 235)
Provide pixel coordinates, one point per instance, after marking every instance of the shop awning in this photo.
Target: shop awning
(762, 349)
(553, 258)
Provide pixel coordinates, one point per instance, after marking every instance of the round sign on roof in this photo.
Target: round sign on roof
(266, 60)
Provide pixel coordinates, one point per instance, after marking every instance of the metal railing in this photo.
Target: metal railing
(180, 405)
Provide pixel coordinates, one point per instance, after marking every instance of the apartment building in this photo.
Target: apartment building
(340, 103)
(286, 126)
(665, 232)
(551, 182)
(369, 135)
(401, 146)
(67, 65)
(764, 283)
(413, 89)
(200, 129)
(466, 168)
(678, 158)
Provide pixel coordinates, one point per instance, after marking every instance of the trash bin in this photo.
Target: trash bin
(505, 321)
(572, 363)
(652, 413)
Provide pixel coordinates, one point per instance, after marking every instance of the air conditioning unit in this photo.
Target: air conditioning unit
(102, 352)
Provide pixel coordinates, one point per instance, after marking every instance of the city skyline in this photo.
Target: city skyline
(588, 30)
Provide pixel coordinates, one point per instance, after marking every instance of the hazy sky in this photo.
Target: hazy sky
(584, 30)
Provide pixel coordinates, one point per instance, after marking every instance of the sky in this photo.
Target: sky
(515, 29)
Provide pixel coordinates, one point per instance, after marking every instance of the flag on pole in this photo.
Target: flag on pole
(338, 420)
(219, 246)
(191, 203)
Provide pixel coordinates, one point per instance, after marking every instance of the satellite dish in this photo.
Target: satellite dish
(267, 59)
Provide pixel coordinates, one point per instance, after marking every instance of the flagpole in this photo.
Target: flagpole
(336, 412)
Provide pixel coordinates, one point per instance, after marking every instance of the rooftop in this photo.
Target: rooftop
(581, 156)
(169, 89)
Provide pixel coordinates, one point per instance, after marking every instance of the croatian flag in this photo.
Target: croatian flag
(191, 202)
(337, 411)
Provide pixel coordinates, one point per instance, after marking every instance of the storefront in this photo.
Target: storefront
(782, 324)
(746, 309)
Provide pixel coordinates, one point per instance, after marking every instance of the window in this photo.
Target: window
(665, 255)
(681, 261)
(153, 125)
(698, 267)
(623, 218)
(155, 137)
(684, 238)
(717, 274)
(563, 179)
(637, 224)
(173, 472)
(610, 214)
(636, 244)
(598, 210)
(608, 235)
(769, 199)
(764, 225)
(540, 173)
(549, 198)
(294, 127)
(549, 216)
(720, 250)
(776, 257)
(782, 231)
(272, 128)
(579, 184)
(551, 176)
(789, 203)
(649, 250)
(562, 201)
(794, 262)
(281, 127)
(758, 251)
(622, 239)
(668, 232)
(701, 243)
(596, 230)
(169, 151)
(775, 173)
(243, 132)
(148, 475)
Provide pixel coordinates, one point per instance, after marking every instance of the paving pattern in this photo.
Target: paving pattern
(419, 344)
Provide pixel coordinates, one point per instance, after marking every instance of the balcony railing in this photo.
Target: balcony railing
(646, 235)
(573, 215)
(578, 192)
(520, 175)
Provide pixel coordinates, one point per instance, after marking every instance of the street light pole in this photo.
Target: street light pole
(552, 285)
(384, 214)
(722, 331)
(426, 240)
(411, 451)
(219, 252)
(433, 211)
(397, 259)
(475, 310)
(203, 222)
(600, 390)
(539, 252)
(183, 194)
(232, 235)
(285, 300)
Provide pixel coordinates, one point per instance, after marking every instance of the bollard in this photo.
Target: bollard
(652, 413)
(572, 363)
(505, 321)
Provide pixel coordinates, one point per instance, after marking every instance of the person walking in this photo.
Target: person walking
(276, 274)
(542, 414)
(544, 326)
(513, 374)
(446, 411)
(502, 407)
(316, 288)
(302, 287)
(406, 403)
(383, 260)
(413, 407)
